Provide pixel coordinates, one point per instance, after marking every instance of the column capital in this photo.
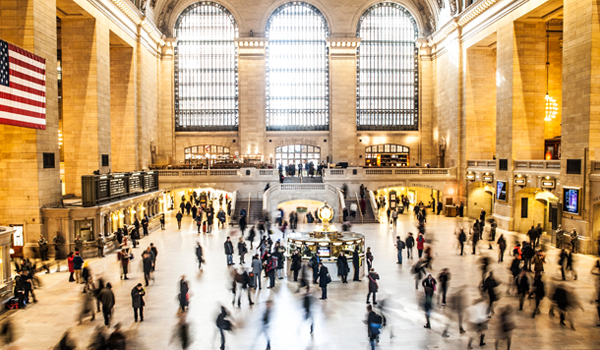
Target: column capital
(252, 47)
(343, 47)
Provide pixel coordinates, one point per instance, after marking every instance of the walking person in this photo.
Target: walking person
(138, 302)
(147, 265)
(199, 255)
(296, 264)
(256, 269)
(43, 245)
(540, 292)
(77, 266)
(179, 216)
(154, 252)
(429, 285)
(117, 340)
(356, 265)
(373, 286)
(123, 256)
(145, 222)
(223, 324)
(228, 246)
(462, 238)
(420, 244)
(410, 243)
(369, 257)
(314, 264)
(399, 246)
(374, 325)
(162, 222)
(324, 280)
(184, 299)
(444, 278)
(501, 248)
(489, 285)
(107, 299)
(71, 266)
(505, 326)
(307, 301)
(342, 267)
(242, 250)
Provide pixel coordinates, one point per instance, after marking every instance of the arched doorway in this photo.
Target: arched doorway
(533, 207)
(297, 154)
(480, 195)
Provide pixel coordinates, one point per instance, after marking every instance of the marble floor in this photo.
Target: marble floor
(338, 321)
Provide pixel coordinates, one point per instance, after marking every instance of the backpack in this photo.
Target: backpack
(402, 244)
(377, 324)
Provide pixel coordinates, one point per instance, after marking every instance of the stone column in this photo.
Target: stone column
(342, 99)
(428, 152)
(251, 96)
(25, 186)
(86, 99)
(122, 109)
(581, 98)
(166, 122)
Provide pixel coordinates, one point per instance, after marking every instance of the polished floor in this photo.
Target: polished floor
(338, 322)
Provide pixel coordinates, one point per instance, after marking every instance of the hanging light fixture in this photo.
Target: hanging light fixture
(551, 105)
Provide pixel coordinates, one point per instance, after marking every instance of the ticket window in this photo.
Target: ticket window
(85, 229)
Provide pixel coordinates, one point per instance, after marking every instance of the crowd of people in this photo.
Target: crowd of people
(262, 261)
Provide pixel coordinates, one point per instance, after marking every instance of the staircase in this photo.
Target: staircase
(254, 212)
(368, 215)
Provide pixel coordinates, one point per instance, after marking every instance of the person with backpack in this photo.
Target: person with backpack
(399, 246)
(374, 323)
(228, 247)
(373, 286)
(179, 216)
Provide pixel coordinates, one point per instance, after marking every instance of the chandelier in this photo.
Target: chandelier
(551, 104)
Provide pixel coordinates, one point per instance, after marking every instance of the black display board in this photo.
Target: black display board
(98, 189)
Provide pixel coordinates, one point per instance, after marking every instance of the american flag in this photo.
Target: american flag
(22, 87)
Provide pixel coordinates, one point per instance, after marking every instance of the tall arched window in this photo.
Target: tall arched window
(387, 94)
(297, 69)
(206, 89)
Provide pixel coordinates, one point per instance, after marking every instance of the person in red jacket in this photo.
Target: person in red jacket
(420, 244)
(71, 266)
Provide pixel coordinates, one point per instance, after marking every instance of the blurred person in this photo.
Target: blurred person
(96, 293)
(71, 266)
(374, 323)
(138, 302)
(418, 270)
(87, 278)
(307, 301)
(457, 303)
(183, 296)
(7, 334)
(270, 263)
(147, 265)
(560, 235)
(304, 278)
(492, 236)
(528, 254)
(223, 324)
(241, 282)
(522, 288)
(251, 236)
(462, 238)
(66, 343)
(324, 280)
(278, 254)
(154, 252)
(478, 322)
(429, 285)
(540, 292)
(117, 340)
(475, 236)
(124, 256)
(342, 268)
(484, 264)
(199, 255)
(505, 326)
(228, 247)
(538, 263)
(179, 216)
(373, 286)
(266, 321)
(98, 339)
(181, 334)
(570, 266)
(313, 263)
(87, 307)
(444, 278)
(77, 266)
(489, 285)
(107, 299)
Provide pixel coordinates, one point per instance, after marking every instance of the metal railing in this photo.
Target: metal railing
(362, 219)
(374, 205)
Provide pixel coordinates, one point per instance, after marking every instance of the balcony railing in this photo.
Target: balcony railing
(385, 172)
(481, 164)
(539, 165)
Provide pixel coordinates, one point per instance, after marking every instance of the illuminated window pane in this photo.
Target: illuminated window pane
(387, 69)
(206, 89)
(297, 69)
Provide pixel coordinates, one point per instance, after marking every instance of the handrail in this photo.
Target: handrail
(233, 202)
(248, 210)
(362, 219)
(374, 205)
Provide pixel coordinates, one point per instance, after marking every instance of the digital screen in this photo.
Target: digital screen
(501, 190)
(323, 251)
(571, 200)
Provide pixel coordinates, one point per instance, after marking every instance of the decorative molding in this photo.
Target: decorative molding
(460, 21)
(252, 47)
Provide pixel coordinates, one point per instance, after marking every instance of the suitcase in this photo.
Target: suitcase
(204, 227)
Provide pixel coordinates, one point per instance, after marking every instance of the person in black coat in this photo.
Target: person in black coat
(342, 267)
(243, 224)
(242, 250)
(199, 255)
(147, 264)
(183, 294)
(228, 247)
(373, 287)
(107, 298)
(462, 238)
(489, 285)
(137, 302)
(356, 264)
(296, 264)
(324, 280)
(179, 216)
(410, 243)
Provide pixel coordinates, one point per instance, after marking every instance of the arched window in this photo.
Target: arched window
(387, 94)
(206, 89)
(297, 69)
